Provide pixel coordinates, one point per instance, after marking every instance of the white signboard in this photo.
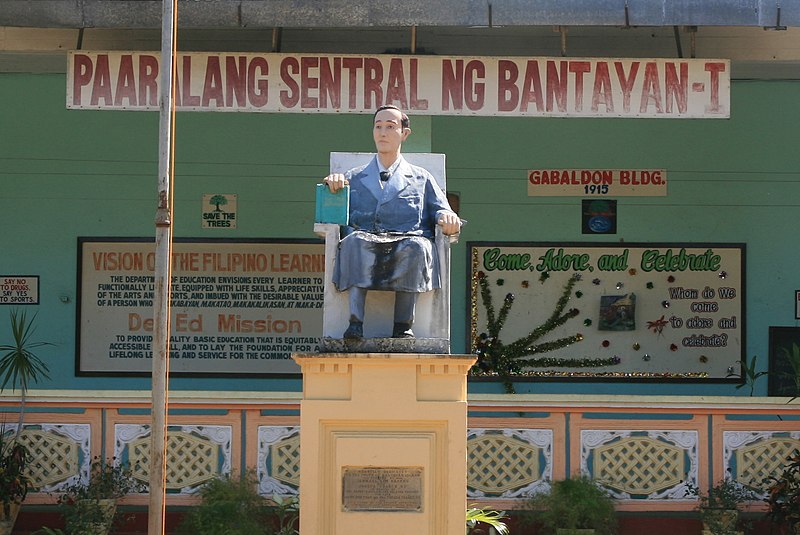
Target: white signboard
(238, 307)
(652, 310)
(597, 182)
(19, 289)
(423, 85)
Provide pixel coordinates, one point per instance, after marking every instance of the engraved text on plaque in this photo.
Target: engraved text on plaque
(395, 488)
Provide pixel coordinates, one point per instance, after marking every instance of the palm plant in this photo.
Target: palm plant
(19, 365)
(494, 519)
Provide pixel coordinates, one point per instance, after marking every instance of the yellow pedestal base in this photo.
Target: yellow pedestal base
(383, 443)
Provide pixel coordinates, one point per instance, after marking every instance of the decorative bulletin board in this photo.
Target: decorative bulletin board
(239, 307)
(657, 311)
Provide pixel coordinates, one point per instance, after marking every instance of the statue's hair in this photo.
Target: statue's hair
(405, 122)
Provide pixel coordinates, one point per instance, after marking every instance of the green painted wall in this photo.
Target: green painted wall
(67, 173)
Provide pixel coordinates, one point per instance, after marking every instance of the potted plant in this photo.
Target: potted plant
(89, 507)
(19, 367)
(783, 495)
(14, 483)
(575, 506)
(719, 507)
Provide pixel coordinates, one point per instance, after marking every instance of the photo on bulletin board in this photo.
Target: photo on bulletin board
(616, 311)
(784, 361)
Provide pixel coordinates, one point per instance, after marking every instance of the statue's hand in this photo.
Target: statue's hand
(450, 223)
(335, 182)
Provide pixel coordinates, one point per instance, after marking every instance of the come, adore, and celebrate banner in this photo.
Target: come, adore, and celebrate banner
(655, 310)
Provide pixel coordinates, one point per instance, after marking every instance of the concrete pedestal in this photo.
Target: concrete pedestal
(383, 443)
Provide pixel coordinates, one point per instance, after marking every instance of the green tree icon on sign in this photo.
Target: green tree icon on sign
(218, 200)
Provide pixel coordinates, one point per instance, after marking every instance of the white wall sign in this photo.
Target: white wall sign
(238, 307)
(423, 85)
(19, 289)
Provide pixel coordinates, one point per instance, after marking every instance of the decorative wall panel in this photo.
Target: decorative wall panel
(60, 454)
(641, 465)
(508, 463)
(195, 453)
(752, 456)
(278, 463)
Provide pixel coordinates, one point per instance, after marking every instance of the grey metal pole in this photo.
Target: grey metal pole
(163, 283)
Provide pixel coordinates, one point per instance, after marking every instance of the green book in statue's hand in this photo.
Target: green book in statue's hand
(332, 207)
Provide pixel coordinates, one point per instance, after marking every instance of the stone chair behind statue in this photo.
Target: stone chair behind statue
(432, 321)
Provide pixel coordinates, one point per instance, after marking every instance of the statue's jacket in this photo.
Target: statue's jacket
(409, 203)
(388, 244)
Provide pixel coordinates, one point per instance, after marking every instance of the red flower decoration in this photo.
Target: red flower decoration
(658, 325)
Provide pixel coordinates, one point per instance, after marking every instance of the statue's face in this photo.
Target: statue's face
(387, 131)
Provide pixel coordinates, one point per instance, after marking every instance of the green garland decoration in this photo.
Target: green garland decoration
(506, 361)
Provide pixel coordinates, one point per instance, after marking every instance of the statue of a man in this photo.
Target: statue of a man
(388, 244)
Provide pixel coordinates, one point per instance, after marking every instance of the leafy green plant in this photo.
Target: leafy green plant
(86, 505)
(107, 481)
(719, 506)
(14, 484)
(726, 494)
(750, 374)
(494, 519)
(19, 365)
(48, 531)
(783, 495)
(575, 503)
(232, 506)
(793, 358)
(287, 513)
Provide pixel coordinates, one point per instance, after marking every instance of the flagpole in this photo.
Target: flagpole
(163, 282)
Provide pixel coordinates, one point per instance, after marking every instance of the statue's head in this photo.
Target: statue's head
(390, 127)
